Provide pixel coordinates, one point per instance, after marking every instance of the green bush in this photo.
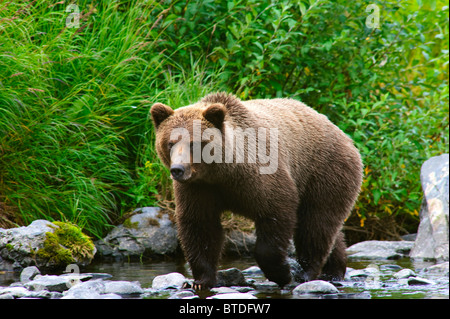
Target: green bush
(76, 142)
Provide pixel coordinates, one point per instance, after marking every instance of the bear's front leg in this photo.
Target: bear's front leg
(201, 241)
(201, 237)
(271, 250)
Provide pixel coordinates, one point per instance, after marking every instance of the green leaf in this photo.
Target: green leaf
(376, 196)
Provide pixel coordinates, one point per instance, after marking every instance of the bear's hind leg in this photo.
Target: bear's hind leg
(336, 264)
(314, 239)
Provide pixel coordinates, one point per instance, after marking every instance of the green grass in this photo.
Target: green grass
(76, 141)
(74, 122)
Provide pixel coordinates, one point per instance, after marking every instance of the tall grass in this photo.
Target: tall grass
(74, 128)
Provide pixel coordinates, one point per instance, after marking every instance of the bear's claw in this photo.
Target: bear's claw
(198, 286)
(195, 286)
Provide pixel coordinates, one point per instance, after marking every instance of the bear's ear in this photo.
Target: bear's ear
(215, 113)
(159, 113)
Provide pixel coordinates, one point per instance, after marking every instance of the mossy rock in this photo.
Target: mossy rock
(67, 244)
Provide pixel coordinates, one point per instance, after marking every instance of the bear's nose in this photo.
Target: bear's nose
(177, 171)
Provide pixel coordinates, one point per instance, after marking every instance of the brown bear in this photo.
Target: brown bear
(217, 152)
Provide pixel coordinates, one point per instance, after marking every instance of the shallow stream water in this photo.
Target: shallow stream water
(381, 286)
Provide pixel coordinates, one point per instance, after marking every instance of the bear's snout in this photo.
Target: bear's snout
(177, 171)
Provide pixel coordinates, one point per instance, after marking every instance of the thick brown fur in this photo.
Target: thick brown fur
(308, 198)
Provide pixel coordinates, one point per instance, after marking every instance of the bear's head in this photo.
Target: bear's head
(189, 139)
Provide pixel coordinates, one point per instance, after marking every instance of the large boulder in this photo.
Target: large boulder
(17, 245)
(432, 240)
(150, 232)
(378, 250)
(44, 244)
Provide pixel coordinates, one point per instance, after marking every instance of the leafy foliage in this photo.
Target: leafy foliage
(76, 142)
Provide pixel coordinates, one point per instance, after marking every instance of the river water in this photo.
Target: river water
(384, 286)
(381, 286)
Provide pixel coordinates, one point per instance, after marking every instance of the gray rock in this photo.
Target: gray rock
(29, 273)
(15, 292)
(315, 287)
(81, 294)
(110, 296)
(405, 273)
(149, 232)
(96, 275)
(432, 240)
(50, 283)
(92, 289)
(96, 285)
(231, 277)
(74, 278)
(236, 295)
(253, 271)
(191, 297)
(182, 294)
(358, 274)
(439, 269)
(414, 281)
(266, 286)
(374, 249)
(223, 290)
(243, 289)
(88, 292)
(123, 287)
(22, 292)
(172, 280)
(18, 245)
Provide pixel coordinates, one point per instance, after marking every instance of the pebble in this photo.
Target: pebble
(253, 271)
(183, 294)
(315, 287)
(97, 286)
(22, 292)
(358, 274)
(88, 294)
(49, 282)
(236, 295)
(231, 277)
(173, 280)
(405, 273)
(266, 286)
(123, 287)
(223, 290)
(442, 269)
(413, 281)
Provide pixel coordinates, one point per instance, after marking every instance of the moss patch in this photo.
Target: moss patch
(128, 224)
(66, 245)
